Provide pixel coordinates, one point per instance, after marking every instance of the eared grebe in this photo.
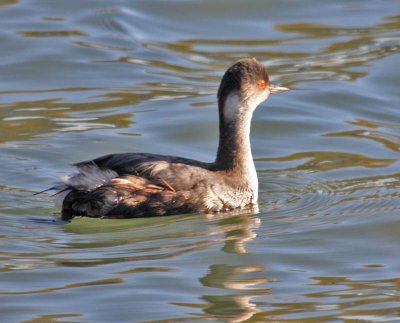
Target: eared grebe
(140, 185)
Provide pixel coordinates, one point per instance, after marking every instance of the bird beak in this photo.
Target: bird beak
(273, 89)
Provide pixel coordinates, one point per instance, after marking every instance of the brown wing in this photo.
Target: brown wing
(125, 197)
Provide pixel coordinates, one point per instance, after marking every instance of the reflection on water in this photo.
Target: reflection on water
(58, 33)
(327, 160)
(391, 141)
(82, 79)
(237, 304)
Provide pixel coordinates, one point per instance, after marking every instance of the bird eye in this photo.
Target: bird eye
(262, 84)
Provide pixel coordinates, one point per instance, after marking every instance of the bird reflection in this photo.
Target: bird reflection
(238, 229)
(239, 283)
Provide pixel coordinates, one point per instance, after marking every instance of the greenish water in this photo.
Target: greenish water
(84, 78)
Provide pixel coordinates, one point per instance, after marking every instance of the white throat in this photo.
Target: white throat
(240, 114)
(234, 107)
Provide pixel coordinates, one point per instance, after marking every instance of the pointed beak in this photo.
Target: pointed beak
(273, 89)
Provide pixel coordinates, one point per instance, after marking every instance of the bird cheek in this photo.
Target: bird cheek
(266, 93)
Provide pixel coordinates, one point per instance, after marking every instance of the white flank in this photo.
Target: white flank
(90, 177)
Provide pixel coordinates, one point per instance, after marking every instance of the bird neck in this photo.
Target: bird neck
(234, 149)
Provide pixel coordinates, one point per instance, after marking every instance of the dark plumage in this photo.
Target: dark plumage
(139, 185)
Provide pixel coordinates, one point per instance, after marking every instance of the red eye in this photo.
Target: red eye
(262, 84)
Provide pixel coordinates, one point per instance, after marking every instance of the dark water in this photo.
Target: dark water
(85, 78)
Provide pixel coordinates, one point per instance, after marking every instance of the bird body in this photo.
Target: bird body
(138, 185)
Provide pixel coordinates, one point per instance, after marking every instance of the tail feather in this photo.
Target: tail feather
(125, 197)
(97, 192)
(44, 191)
(90, 177)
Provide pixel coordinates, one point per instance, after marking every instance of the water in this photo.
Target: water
(85, 78)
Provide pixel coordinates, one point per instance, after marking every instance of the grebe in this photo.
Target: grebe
(133, 185)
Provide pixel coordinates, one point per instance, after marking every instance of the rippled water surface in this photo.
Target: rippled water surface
(84, 78)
